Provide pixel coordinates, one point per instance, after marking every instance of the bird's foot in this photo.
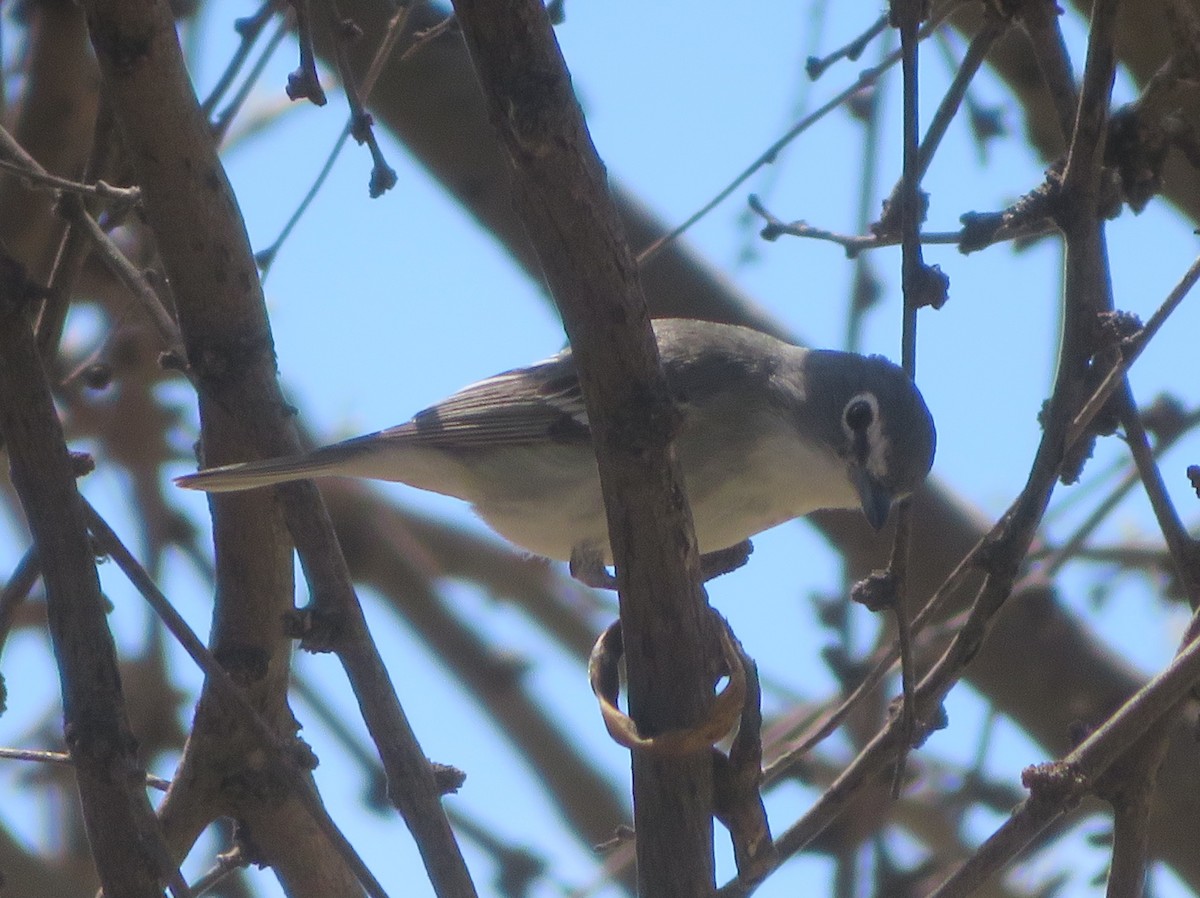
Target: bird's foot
(587, 565)
(724, 561)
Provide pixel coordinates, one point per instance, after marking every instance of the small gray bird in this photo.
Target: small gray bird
(770, 432)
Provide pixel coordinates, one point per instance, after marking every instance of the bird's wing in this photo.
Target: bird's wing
(544, 402)
(535, 404)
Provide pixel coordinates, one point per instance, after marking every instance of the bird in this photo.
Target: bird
(769, 432)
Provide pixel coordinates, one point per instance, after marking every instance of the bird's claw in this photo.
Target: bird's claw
(587, 565)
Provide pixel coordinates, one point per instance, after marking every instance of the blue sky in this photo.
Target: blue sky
(381, 307)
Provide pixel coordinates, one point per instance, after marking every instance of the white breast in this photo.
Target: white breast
(779, 480)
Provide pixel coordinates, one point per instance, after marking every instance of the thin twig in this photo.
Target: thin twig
(226, 116)
(898, 567)
(423, 39)
(1012, 536)
(1181, 546)
(108, 251)
(1073, 547)
(227, 864)
(39, 178)
(76, 243)
(304, 83)
(266, 257)
(986, 122)
(814, 33)
(646, 256)
(220, 679)
(816, 67)
(1134, 349)
(248, 29)
(134, 280)
(1087, 293)
(907, 15)
(826, 724)
(1076, 774)
(864, 291)
(1129, 787)
(1041, 23)
(383, 176)
(62, 758)
(853, 244)
(994, 26)
(16, 590)
(395, 27)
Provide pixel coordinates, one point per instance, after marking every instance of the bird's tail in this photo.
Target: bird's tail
(253, 474)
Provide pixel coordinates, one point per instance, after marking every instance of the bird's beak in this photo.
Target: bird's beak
(876, 499)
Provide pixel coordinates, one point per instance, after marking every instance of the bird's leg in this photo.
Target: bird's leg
(722, 561)
(587, 566)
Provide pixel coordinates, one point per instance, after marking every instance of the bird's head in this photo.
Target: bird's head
(886, 435)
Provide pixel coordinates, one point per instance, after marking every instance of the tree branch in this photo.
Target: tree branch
(127, 845)
(561, 194)
(205, 250)
(1032, 641)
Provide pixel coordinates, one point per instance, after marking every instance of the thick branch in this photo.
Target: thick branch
(561, 194)
(432, 103)
(58, 111)
(376, 535)
(126, 842)
(202, 241)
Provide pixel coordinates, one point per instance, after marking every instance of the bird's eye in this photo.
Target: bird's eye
(859, 415)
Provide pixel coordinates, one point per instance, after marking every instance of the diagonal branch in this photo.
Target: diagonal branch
(219, 680)
(222, 319)
(562, 196)
(1033, 641)
(127, 845)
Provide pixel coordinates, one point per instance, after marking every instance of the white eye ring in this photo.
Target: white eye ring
(863, 426)
(861, 413)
